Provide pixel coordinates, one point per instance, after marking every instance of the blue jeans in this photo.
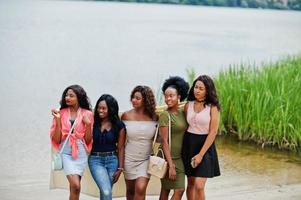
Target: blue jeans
(102, 170)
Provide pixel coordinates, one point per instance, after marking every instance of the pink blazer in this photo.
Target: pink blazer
(78, 132)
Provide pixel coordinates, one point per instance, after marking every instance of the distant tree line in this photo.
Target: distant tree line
(272, 4)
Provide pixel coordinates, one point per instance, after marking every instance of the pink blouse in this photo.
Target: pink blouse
(198, 122)
(78, 132)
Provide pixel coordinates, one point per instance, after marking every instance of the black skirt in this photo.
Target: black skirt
(209, 166)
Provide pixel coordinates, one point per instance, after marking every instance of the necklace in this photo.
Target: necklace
(202, 101)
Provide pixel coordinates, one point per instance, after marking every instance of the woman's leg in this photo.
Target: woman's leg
(178, 193)
(199, 188)
(130, 189)
(101, 177)
(164, 194)
(111, 165)
(190, 192)
(140, 188)
(74, 183)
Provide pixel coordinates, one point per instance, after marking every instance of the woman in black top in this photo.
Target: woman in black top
(107, 156)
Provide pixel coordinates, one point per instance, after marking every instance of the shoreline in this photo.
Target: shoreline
(217, 189)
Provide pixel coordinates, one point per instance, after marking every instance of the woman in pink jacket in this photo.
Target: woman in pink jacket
(75, 108)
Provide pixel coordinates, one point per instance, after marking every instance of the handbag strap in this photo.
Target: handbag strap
(70, 131)
(156, 135)
(169, 133)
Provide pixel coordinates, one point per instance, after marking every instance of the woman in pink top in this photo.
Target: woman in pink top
(199, 152)
(75, 108)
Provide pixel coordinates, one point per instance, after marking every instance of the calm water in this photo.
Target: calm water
(109, 48)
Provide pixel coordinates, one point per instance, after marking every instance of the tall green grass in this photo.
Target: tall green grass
(263, 104)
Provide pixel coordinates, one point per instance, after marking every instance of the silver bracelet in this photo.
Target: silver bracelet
(120, 168)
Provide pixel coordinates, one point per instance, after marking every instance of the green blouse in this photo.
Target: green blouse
(178, 128)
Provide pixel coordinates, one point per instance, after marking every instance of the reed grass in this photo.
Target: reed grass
(263, 104)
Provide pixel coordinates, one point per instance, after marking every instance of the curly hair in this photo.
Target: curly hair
(113, 109)
(177, 83)
(148, 99)
(81, 95)
(211, 95)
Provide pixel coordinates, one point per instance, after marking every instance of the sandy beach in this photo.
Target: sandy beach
(221, 188)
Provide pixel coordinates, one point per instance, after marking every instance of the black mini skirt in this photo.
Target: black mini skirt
(209, 166)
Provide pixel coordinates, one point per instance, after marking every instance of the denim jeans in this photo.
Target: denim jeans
(102, 170)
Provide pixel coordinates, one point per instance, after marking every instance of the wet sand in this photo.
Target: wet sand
(224, 187)
(248, 172)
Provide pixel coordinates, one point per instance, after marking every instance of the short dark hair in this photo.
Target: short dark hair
(113, 109)
(81, 95)
(177, 83)
(211, 95)
(148, 99)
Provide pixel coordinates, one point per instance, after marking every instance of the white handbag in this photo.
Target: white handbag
(57, 162)
(157, 166)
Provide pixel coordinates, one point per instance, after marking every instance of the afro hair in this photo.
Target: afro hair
(177, 83)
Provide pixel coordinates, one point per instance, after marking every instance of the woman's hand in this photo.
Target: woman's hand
(197, 159)
(57, 131)
(172, 173)
(56, 114)
(86, 121)
(116, 175)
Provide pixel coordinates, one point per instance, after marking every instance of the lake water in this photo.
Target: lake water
(110, 48)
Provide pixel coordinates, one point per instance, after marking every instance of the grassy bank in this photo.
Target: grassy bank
(263, 104)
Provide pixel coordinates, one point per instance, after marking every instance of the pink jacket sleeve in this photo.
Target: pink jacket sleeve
(89, 145)
(52, 130)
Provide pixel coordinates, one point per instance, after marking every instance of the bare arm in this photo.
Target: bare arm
(120, 147)
(213, 128)
(166, 150)
(214, 123)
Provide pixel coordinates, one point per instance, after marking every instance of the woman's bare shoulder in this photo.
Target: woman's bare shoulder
(127, 115)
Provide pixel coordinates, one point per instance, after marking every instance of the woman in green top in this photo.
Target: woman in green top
(175, 89)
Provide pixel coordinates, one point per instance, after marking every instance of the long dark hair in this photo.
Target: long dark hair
(177, 83)
(81, 95)
(148, 99)
(113, 110)
(211, 95)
